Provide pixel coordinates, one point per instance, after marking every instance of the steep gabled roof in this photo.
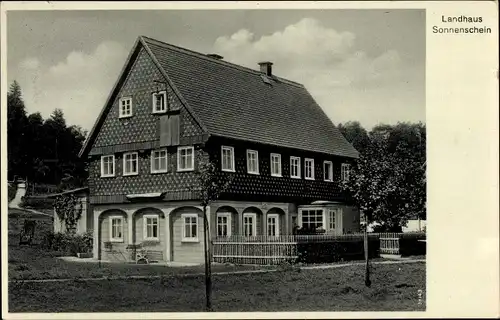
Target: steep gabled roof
(234, 102)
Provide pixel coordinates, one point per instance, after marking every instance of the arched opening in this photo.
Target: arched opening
(275, 222)
(149, 232)
(113, 235)
(226, 222)
(187, 232)
(253, 222)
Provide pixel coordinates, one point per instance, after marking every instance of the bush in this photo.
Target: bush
(12, 191)
(409, 244)
(67, 243)
(337, 250)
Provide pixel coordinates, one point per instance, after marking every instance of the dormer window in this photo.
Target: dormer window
(160, 102)
(125, 107)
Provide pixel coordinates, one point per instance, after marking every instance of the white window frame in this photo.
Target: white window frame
(330, 171)
(145, 227)
(102, 166)
(298, 176)
(277, 224)
(229, 223)
(345, 171)
(332, 213)
(254, 224)
(191, 167)
(310, 160)
(134, 173)
(324, 220)
(164, 94)
(153, 170)
(121, 114)
(231, 150)
(256, 153)
(184, 237)
(111, 239)
(271, 164)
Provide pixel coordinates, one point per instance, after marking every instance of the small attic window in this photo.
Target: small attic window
(159, 102)
(125, 107)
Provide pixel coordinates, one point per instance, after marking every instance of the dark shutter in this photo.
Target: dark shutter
(174, 129)
(165, 136)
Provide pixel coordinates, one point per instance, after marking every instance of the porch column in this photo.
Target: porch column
(130, 225)
(240, 223)
(96, 235)
(287, 222)
(168, 237)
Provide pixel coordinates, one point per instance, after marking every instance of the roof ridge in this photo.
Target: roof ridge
(222, 62)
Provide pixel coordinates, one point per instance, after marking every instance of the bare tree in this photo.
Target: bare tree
(212, 183)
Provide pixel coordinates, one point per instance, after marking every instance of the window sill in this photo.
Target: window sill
(116, 240)
(255, 173)
(130, 174)
(107, 176)
(159, 112)
(295, 177)
(190, 240)
(309, 179)
(152, 240)
(277, 175)
(125, 117)
(328, 180)
(185, 170)
(159, 172)
(228, 170)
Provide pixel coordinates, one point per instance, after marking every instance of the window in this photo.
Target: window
(108, 166)
(130, 164)
(190, 230)
(151, 227)
(273, 227)
(312, 219)
(328, 171)
(227, 155)
(224, 224)
(185, 158)
(275, 165)
(125, 107)
(159, 102)
(331, 220)
(344, 172)
(295, 167)
(309, 169)
(159, 161)
(252, 161)
(116, 229)
(250, 224)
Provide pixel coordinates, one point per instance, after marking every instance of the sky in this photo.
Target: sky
(359, 65)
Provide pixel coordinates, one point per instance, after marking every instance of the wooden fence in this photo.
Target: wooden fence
(266, 250)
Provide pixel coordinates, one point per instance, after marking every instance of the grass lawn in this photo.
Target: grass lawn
(394, 288)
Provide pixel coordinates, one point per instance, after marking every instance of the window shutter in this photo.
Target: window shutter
(174, 129)
(165, 136)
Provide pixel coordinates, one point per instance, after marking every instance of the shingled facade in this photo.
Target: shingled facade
(169, 104)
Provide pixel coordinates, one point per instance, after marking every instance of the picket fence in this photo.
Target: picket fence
(267, 250)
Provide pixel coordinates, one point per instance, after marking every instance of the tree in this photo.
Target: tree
(16, 127)
(211, 185)
(388, 180)
(355, 134)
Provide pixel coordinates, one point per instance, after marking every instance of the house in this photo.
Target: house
(168, 106)
(85, 222)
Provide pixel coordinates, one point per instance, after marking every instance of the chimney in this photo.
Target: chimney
(266, 68)
(215, 56)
